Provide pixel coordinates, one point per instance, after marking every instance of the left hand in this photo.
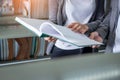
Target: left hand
(77, 27)
(95, 36)
(50, 39)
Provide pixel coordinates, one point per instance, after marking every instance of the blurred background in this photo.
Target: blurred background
(24, 48)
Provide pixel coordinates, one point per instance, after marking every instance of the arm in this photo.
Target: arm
(102, 31)
(53, 9)
(103, 28)
(97, 17)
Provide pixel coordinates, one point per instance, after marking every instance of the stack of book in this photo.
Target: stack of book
(3, 49)
(5, 52)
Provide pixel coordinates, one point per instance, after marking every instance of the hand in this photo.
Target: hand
(50, 39)
(95, 36)
(77, 27)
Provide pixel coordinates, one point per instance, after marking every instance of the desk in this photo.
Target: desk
(91, 67)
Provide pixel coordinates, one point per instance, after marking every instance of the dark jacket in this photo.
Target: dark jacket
(108, 27)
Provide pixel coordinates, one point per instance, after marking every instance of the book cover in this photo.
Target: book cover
(32, 24)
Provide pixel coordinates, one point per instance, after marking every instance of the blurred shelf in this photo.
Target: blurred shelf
(14, 31)
(8, 20)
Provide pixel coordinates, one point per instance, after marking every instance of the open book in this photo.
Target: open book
(44, 28)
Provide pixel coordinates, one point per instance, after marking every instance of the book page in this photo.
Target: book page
(65, 34)
(50, 29)
(32, 24)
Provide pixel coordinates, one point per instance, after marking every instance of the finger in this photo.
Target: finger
(71, 25)
(85, 28)
(96, 46)
(49, 39)
(53, 39)
(82, 30)
(75, 26)
(99, 39)
(46, 38)
(92, 36)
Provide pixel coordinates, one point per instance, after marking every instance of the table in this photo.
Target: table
(86, 67)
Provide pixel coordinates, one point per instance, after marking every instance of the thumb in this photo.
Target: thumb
(93, 35)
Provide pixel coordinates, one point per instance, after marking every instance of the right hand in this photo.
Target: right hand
(95, 36)
(78, 27)
(50, 39)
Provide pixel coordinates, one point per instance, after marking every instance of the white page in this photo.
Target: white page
(32, 24)
(50, 29)
(66, 34)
